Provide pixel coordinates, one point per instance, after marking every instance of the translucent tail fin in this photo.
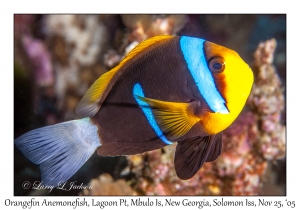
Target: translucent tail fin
(60, 149)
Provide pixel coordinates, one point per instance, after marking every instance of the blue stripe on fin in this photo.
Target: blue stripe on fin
(60, 149)
(137, 90)
(192, 49)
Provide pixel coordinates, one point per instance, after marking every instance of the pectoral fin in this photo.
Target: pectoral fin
(175, 119)
(192, 153)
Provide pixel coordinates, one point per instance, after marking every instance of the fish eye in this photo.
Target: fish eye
(217, 64)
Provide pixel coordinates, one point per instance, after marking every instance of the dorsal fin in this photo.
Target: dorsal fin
(91, 101)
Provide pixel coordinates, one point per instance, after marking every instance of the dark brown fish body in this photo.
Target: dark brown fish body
(162, 78)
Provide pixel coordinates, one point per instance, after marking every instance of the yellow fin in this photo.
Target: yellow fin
(143, 45)
(174, 118)
(91, 101)
(89, 104)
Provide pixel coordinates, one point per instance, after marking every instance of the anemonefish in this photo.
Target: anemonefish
(167, 89)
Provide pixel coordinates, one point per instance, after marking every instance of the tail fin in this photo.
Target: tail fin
(60, 149)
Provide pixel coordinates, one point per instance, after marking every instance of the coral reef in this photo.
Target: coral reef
(41, 60)
(267, 101)
(76, 42)
(104, 185)
(145, 26)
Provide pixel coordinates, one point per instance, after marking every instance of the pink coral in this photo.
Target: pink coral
(40, 58)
